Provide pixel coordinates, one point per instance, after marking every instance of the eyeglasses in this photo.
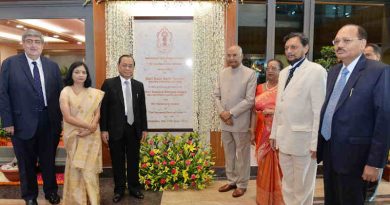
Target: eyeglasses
(30, 41)
(127, 65)
(345, 41)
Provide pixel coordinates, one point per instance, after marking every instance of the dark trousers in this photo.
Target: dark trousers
(125, 149)
(41, 148)
(341, 189)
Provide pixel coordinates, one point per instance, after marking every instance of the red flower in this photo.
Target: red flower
(181, 151)
(147, 182)
(192, 153)
(172, 162)
(151, 142)
(164, 163)
(193, 176)
(163, 181)
(151, 153)
(165, 153)
(173, 171)
(188, 162)
(189, 142)
(199, 167)
(176, 186)
(144, 165)
(193, 184)
(156, 163)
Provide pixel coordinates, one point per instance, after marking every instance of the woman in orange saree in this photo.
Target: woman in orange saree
(269, 174)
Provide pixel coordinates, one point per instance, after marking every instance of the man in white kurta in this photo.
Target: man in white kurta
(234, 95)
(301, 93)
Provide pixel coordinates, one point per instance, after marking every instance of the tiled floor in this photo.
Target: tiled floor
(9, 195)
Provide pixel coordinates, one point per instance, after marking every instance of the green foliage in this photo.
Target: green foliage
(328, 57)
(3, 133)
(64, 70)
(174, 162)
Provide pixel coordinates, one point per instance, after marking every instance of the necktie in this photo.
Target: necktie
(326, 128)
(129, 103)
(291, 72)
(38, 85)
(290, 75)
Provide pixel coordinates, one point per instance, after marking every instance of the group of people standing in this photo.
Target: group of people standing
(303, 115)
(34, 102)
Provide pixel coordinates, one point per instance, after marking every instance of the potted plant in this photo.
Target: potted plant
(175, 162)
(328, 57)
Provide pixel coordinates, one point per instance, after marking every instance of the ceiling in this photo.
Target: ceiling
(60, 34)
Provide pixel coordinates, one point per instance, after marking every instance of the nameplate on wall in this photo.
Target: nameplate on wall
(163, 54)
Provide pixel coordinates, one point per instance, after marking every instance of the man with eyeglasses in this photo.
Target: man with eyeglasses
(353, 136)
(123, 125)
(30, 87)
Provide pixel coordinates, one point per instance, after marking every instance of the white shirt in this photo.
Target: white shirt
(123, 80)
(350, 68)
(41, 75)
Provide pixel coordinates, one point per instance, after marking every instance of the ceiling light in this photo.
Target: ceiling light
(79, 43)
(10, 36)
(56, 36)
(79, 38)
(42, 24)
(53, 40)
(19, 26)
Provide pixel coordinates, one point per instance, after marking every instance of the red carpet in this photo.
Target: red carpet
(4, 181)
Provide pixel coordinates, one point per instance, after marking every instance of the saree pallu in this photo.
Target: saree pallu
(84, 154)
(269, 174)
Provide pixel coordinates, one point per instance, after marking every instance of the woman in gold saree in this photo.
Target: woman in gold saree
(80, 107)
(269, 174)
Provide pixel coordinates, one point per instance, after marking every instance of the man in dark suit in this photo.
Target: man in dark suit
(123, 124)
(373, 52)
(353, 138)
(30, 87)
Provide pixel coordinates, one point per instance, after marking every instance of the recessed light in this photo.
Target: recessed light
(56, 36)
(19, 26)
(79, 43)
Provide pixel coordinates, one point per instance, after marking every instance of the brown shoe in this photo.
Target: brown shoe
(238, 192)
(227, 187)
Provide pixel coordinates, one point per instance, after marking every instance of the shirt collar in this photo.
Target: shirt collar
(352, 65)
(123, 80)
(29, 60)
(297, 64)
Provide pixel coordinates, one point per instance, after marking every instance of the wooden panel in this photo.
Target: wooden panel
(217, 148)
(231, 24)
(99, 33)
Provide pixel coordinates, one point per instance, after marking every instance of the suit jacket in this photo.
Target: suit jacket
(112, 117)
(298, 106)
(19, 98)
(361, 119)
(235, 92)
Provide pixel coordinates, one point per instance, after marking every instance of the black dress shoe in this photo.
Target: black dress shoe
(53, 198)
(117, 197)
(137, 194)
(31, 202)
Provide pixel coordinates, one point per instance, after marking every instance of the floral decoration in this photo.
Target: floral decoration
(175, 162)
